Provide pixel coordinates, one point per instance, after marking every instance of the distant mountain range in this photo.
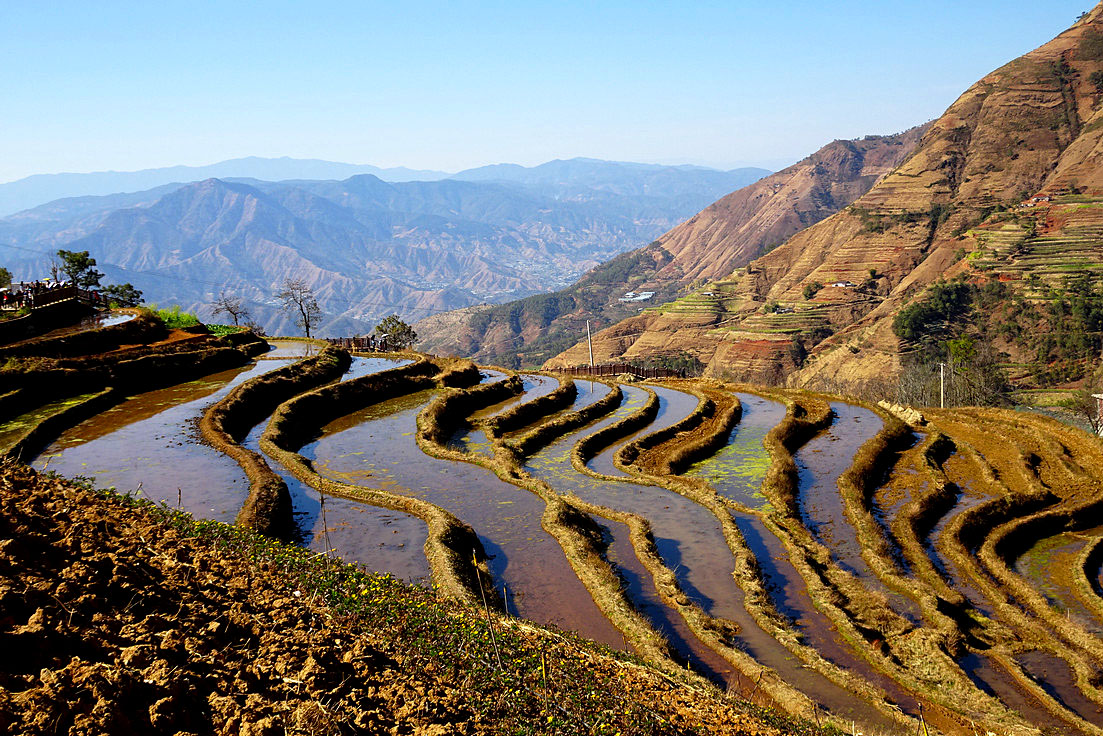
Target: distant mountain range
(39, 189)
(564, 177)
(726, 235)
(369, 247)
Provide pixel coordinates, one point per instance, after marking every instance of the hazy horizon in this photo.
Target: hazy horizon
(206, 164)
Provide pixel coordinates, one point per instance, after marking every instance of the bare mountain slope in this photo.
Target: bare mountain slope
(1021, 129)
(368, 247)
(726, 235)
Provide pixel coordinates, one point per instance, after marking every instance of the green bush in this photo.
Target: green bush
(221, 330)
(174, 318)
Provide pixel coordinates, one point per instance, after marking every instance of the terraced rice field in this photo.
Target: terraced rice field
(814, 555)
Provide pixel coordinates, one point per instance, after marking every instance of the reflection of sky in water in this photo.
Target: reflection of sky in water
(674, 406)
(687, 535)
(1048, 567)
(151, 440)
(377, 448)
(475, 440)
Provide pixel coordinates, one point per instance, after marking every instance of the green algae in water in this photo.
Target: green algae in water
(738, 470)
(13, 430)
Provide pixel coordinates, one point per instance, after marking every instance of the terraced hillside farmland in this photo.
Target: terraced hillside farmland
(776, 548)
(1014, 160)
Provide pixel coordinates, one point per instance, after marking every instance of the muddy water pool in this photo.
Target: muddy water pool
(674, 406)
(376, 447)
(993, 679)
(789, 594)
(365, 366)
(641, 590)
(151, 440)
(589, 392)
(1057, 678)
(820, 462)
(737, 470)
(691, 543)
(687, 534)
(290, 349)
(956, 472)
(12, 430)
(382, 540)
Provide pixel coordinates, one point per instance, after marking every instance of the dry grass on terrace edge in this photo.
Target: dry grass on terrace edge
(758, 600)
(450, 410)
(705, 409)
(967, 531)
(917, 517)
(225, 423)
(927, 654)
(589, 446)
(856, 612)
(577, 535)
(529, 412)
(451, 546)
(1088, 565)
(547, 432)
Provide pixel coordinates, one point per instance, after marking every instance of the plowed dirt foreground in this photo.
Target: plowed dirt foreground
(119, 617)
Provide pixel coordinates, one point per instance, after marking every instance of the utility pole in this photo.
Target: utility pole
(590, 342)
(942, 384)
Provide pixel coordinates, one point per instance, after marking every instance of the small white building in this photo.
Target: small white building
(1099, 409)
(632, 296)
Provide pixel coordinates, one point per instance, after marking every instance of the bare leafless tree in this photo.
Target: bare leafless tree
(1086, 404)
(227, 303)
(300, 304)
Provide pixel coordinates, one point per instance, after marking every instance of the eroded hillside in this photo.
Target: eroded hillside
(726, 235)
(819, 310)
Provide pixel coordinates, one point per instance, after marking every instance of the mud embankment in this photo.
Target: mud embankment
(145, 328)
(213, 630)
(450, 411)
(452, 548)
(547, 432)
(529, 412)
(576, 533)
(50, 427)
(225, 424)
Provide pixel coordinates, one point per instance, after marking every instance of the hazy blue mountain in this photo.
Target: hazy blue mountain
(368, 247)
(579, 175)
(41, 188)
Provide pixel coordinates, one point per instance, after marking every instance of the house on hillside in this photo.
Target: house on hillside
(632, 296)
(843, 285)
(1099, 409)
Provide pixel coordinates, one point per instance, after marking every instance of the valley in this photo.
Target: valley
(367, 247)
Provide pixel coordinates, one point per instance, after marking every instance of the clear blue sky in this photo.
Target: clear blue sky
(447, 85)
